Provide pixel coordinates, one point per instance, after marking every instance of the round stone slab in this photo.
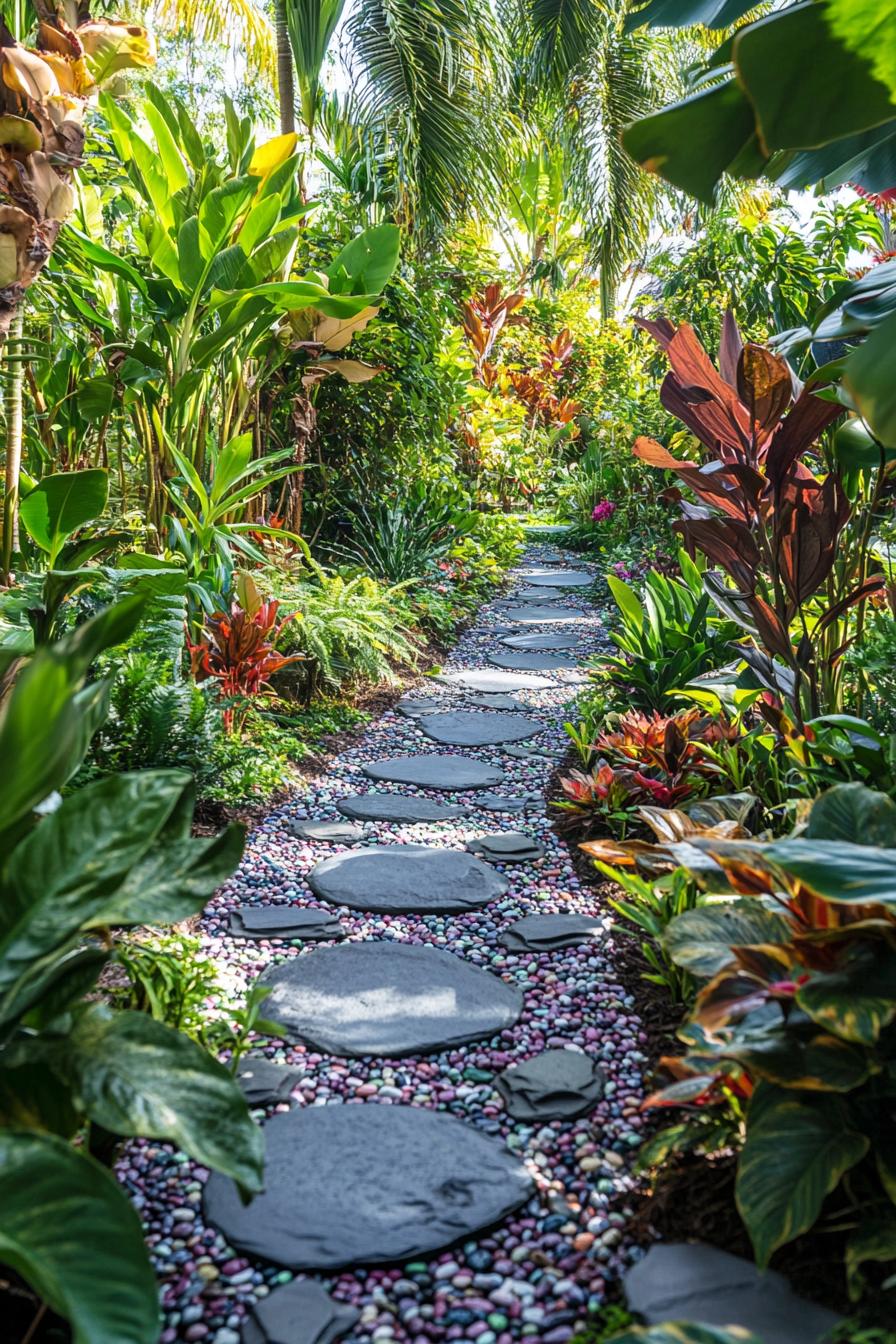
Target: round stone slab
(555, 1085)
(397, 807)
(533, 662)
(467, 728)
(387, 999)
(284, 921)
(560, 578)
(541, 594)
(549, 933)
(495, 683)
(542, 640)
(507, 847)
(496, 702)
(342, 832)
(530, 614)
(356, 1185)
(398, 879)
(435, 772)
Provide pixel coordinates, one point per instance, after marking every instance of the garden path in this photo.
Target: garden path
(495, 1206)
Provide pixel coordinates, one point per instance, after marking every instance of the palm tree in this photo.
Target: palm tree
(240, 23)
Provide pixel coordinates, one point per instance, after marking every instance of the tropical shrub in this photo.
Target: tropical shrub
(796, 1010)
(398, 540)
(237, 652)
(791, 571)
(75, 1074)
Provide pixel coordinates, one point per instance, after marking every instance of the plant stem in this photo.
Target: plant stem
(12, 402)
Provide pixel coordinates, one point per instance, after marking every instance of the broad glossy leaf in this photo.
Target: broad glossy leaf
(806, 87)
(368, 260)
(685, 1332)
(838, 871)
(870, 378)
(866, 27)
(63, 1216)
(692, 143)
(806, 1061)
(61, 504)
(136, 1076)
(798, 1147)
(853, 813)
(857, 1000)
(701, 940)
(689, 13)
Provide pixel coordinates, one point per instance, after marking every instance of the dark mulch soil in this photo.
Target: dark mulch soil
(23, 1320)
(692, 1198)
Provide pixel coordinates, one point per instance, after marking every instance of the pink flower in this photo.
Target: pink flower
(604, 510)
(621, 571)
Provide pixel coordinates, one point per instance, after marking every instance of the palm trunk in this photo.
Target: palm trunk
(13, 376)
(285, 75)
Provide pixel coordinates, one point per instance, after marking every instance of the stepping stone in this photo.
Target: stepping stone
(387, 999)
(534, 753)
(535, 530)
(549, 933)
(284, 921)
(560, 578)
(556, 1085)
(397, 807)
(398, 879)
(337, 831)
(434, 772)
(497, 702)
(545, 640)
(497, 683)
(537, 595)
(372, 1184)
(507, 847)
(469, 728)
(533, 662)
(412, 708)
(681, 1281)
(263, 1082)
(495, 802)
(300, 1312)
(529, 613)
(552, 558)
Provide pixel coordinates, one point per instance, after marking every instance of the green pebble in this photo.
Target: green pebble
(497, 1320)
(478, 1075)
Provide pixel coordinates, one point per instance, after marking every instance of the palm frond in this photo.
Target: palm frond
(241, 24)
(559, 36)
(311, 25)
(429, 71)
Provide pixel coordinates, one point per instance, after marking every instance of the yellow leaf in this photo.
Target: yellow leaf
(352, 370)
(334, 333)
(28, 74)
(271, 154)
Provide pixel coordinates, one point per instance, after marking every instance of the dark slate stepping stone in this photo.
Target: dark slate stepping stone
(300, 1312)
(469, 728)
(507, 847)
(388, 1000)
(556, 1085)
(560, 578)
(552, 558)
(434, 772)
(480, 679)
(263, 1082)
(533, 753)
(542, 640)
(396, 879)
(337, 831)
(412, 708)
(494, 802)
(397, 807)
(533, 662)
(549, 933)
(497, 702)
(360, 1185)
(529, 613)
(284, 921)
(678, 1281)
(541, 594)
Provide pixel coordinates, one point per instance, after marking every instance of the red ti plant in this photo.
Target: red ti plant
(237, 650)
(484, 318)
(769, 513)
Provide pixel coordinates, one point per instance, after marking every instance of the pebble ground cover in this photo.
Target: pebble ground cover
(537, 1274)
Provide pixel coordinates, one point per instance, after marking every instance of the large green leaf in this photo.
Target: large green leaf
(701, 940)
(836, 870)
(867, 27)
(136, 1076)
(806, 87)
(692, 143)
(870, 378)
(69, 1230)
(46, 724)
(857, 1000)
(797, 1149)
(806, 1060)
(368, 260)
(689, 13)
(62, 503)
(853, 813)
(117, 852)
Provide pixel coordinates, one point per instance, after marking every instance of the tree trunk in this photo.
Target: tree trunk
(13, 375)
(285, 75)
